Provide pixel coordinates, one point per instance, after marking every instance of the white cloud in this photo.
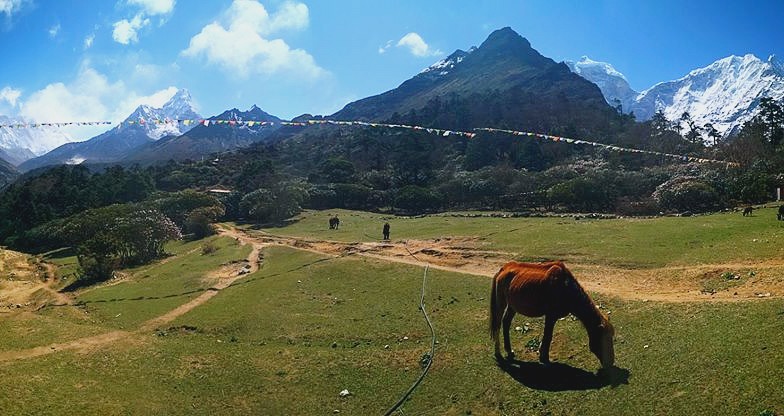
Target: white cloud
(81, 100)
(240, 42)
(88, 41)
(91, 96)
(146, 72)
(383, 49)
(9, 7)
(10, 95)
(154, 7)
(416, 45)
(126, 31)
(54, 30)
(155, 100)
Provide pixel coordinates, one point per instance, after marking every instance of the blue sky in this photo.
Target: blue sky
(92, 60)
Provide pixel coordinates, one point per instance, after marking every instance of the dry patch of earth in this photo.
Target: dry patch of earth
(698, 283)
(27, 283)
(693, 283)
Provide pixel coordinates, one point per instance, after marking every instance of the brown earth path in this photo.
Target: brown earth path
(35, 277)
(691, 283)
(666, 284)
(224, 277)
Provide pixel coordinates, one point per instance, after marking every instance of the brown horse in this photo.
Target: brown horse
(748, 211)
(549, 289)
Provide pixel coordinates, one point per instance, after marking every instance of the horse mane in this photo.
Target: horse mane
(584, 308)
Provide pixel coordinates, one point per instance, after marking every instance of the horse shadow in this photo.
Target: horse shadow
(562, 377)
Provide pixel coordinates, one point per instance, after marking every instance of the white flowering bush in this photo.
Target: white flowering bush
(118, 235)
(686, 193)
(143, 233)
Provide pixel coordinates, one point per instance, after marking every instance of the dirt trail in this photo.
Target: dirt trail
(694, 283)
(51, 278)
(81, 344)
(225, 277)
(23, 278)
(666, 284)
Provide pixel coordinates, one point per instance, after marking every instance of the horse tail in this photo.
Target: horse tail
(497, 305)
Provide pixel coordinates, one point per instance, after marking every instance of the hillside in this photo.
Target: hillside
(502, 83)
(275, 172)
(203, 339)
(7, 172)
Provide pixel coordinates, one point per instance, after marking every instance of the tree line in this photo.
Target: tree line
(102, 211)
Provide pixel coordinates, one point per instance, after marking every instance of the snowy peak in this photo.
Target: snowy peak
(146, 124)
(180, 106)
(725, 93)
(254, 113)
(776, 64)
(731, 67)
(611, 82)
(20, 144)
(444, 66)
(588, 65)
(181, 97)
(160, 122)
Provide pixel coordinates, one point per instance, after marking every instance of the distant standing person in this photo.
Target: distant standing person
(386, 231)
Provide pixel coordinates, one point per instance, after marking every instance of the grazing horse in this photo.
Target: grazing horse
(549, 289)
(780, 215)
(747, 211)
(334, 223)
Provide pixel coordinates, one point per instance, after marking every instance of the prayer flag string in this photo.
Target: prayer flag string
(439, 132)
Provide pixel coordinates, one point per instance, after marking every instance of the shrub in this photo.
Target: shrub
(416, 199)
(208, 248)
(686, 194)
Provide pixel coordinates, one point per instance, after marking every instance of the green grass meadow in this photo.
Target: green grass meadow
(289, 338)
(626, 242)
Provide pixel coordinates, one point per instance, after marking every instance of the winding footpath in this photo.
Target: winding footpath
(225, 278)
(667, 284)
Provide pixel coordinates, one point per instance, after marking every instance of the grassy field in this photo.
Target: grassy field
(629, 242)
(290, 337)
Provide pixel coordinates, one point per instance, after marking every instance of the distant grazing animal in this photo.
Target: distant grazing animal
(549, 289)
(747, 211)
(334, 223)
(780, 215)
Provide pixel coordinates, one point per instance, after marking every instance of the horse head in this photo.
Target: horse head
(601, 343)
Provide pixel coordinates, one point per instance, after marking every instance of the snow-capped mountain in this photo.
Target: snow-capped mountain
(503, 81)
(20, 144)
(725, 93)
(157, 122)
(447, 64)
(146, 124)
(205, 140)
(613, 84)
